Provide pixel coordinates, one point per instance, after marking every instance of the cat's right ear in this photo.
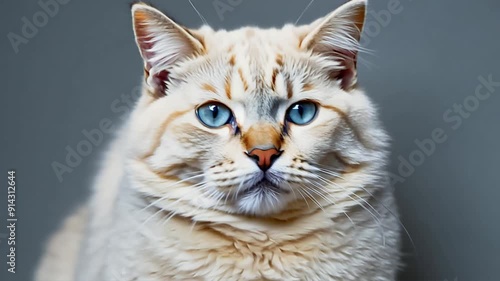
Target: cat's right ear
(162, 44)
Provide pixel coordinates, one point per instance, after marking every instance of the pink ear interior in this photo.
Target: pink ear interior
(160, 78)
(145, 39)
(144, 46)
(348, 60)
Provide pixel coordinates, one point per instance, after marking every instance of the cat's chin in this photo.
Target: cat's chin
(262, 199)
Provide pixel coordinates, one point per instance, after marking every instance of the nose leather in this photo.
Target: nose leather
(264, 158)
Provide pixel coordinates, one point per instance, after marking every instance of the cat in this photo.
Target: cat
(252, 154)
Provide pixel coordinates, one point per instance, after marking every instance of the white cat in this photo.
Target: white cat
(252, 155)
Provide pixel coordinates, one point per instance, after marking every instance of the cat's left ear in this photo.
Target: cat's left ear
(337, 37)
(162, 43)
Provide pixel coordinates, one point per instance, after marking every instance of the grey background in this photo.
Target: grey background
(427, 58)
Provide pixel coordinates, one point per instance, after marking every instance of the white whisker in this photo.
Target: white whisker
(199, 14)
(337, 175)
(377, 219)
(169, 186)
(303, 12)
(331, 201)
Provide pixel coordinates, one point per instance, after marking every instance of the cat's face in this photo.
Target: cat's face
(251, 121)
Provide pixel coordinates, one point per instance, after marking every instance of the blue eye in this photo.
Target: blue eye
(214, 114)
(302, 112)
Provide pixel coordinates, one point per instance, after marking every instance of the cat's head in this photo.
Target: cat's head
(253, 121)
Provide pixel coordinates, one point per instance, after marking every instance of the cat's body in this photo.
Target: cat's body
(181, 200)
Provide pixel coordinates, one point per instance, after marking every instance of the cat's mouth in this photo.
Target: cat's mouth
(265, 184)
(263, 197)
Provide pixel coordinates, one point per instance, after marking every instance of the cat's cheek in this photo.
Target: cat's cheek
(309, 142)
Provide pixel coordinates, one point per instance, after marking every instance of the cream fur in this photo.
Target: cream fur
(170, 204)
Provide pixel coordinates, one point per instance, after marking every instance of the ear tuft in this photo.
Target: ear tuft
(162, 44)
(337, 37)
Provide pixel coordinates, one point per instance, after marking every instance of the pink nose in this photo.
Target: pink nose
(264, 158)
